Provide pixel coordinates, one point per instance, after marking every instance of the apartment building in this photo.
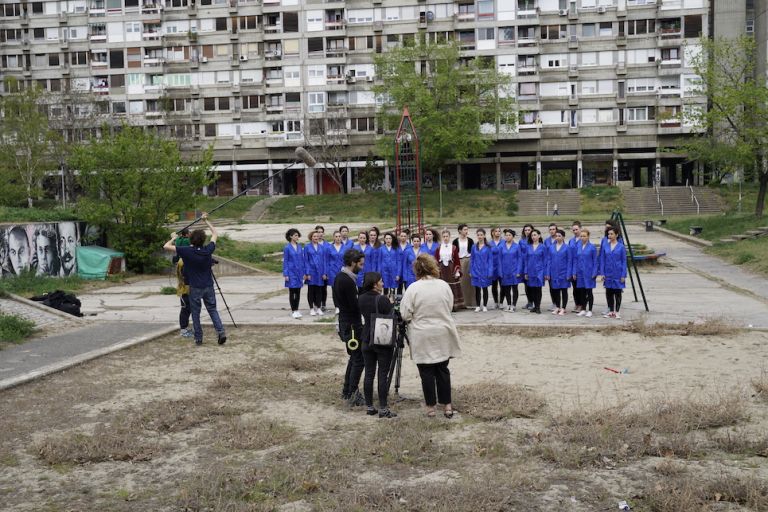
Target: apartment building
(601, 84)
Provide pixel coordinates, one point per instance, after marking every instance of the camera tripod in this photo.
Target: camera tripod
(395, 367)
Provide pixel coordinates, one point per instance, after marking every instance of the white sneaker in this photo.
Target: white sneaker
(552, 308)
(617, 316)
(298, 314)
(337, 311)
(589, 314)
(582, 313)
(293, 314)
(485, 309)
(477, 309)
(319, 312)
(312, 312)
(511, 309)
(607, 315)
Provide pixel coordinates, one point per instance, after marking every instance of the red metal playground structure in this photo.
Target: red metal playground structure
(408, 177)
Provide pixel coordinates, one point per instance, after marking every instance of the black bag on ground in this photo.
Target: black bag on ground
(60, 300)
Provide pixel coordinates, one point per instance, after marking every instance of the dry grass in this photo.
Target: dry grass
(178, 415)
(301, 362)
(117, 441)
(254, 433)
(494, 401)
(684, 494)
(742, 442)
(760, 385)
(716, 326)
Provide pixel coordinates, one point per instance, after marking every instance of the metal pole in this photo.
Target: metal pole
(223, 299)
(440, 184)
(63, 189)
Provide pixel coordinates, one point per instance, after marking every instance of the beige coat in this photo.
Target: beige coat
(427, 305)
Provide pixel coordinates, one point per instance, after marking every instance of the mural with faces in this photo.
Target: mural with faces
(46, 249)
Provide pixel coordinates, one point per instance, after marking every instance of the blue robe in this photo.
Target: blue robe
(293, 266)
(407, 258)
(535, 264)
(511, 263)
(430, 249)
(334, 260)
(559, 266)
(496, 254)
(549, 241)
(389, 265)
(372, 263)
(481, 266)
(585, 265)
(613, 265)
(367, 253)
(314, 263)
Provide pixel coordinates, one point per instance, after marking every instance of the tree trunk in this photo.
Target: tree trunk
(760, 204)
(29, 197)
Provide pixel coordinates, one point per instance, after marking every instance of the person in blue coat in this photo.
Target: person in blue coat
(494, 243)
(293, 269)
(408, 256)
(345, 240)
(526, 233)
(558, 271)
(431, 242)
(334, 260)
(363, 246)
(535, 263)
(375, 243)
(552, 232)
(314, 268)
(389, 263)
(585, 271)
(481, 270)
(613, 268)
(510, 268)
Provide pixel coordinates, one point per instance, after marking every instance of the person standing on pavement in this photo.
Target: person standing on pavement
(464, 245)
(314, 273)
(293, 269)
(350, 324)
(198, 260)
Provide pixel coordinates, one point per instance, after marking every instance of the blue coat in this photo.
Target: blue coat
(535, 265)
(559, 266)
(367, 253)
(511, 263)
(613, 265)
(372, 263)
(314, 263)
(407, 259)
(496, 255)
(293, 266)
(334, 260)
(430, 249)
(389, 266)
(585, 265)
(481, 265)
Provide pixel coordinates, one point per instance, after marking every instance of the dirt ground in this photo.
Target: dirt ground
(257, 424)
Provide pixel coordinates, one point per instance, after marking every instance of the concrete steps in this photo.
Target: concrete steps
(258, 210)
(540, 202)
(748, 235)
(676, 200)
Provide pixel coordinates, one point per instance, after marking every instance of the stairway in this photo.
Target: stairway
(676, 200)
(258, 210)
(532, 203)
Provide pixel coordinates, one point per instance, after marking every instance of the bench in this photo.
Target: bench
(648, 257)
(696, 230)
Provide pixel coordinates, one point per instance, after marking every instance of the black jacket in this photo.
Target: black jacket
(470, 243)
(367, 303)
(345, 297)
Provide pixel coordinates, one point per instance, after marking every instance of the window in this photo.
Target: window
(277, 127)
(315, 45)
(249, 23)
(293, 126)
(316, 102)
(693, 27)
(118, 107)
(641, 85)
(209, 104)
(506, 34)
(38, 33)
(78, 58)
(485, 8)
(588, 30)
(606, 29)
(290, 22)
(640, 27)
(485, 34)
(53, 59)
(210, 130)
(221, 24)
(670, 54)
(589, 59)
(553, 32)
(251, 102)
(362, 124)
(527, 89)
(641, 114)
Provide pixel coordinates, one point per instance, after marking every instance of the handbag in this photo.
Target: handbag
(382, 328)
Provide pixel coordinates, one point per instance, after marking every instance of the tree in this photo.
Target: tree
(28, 145)
(132, 179)
(327, 139)
(370, 178)
(458, 105)
(733, 130)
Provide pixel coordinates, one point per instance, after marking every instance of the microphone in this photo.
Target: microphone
(303, 155)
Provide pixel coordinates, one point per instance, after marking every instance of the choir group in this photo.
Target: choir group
(500, 261)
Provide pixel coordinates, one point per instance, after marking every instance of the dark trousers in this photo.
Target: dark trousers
(613, 297)
(400, 287)
(294, 294)
(314, 295)
(197, 298)
(355, 363)
(185, 311)
(586, 298)
(477, 296)
(510, 294)
(372, 357)
(552, 293)
(435, 376)
(528, 293)
(495, 291)
(534, 295)
(578, 296)
(560, 296)
(324, 296)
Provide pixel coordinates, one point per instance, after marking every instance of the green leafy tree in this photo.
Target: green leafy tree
(370, 178)
(459, 106)
(733, 130)
(131, 181)
(29, 147)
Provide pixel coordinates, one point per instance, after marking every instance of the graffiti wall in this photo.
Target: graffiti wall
(47, 249)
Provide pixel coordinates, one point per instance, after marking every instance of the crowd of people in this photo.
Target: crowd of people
(496, 260)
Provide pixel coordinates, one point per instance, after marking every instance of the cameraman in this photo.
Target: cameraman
(427, 305)
(372, 301)
(350, 323)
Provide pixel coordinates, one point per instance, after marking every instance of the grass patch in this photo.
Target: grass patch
(601, 199)
(14, 329)
(301, 362)
(760, 385)
(28, 284)
(168, 290)
(716, 226)
(233, 210)
(495, 401)
(254, 433)
(11, 214)
(730, 195)
(748, 253)
(250, 253)
(690, 493)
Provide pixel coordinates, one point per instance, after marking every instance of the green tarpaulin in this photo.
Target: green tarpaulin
(93, 262)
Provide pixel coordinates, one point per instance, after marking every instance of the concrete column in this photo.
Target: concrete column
(271, 180)
(235, 188)
(538, 174)
(498, 171)
(579, 174)
(205, 190)
(309, 182)
(615, 172)
(385, 185)
(657, 173)
(459, 177)
(349, 179)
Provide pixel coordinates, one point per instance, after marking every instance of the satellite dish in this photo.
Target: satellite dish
(430, 16)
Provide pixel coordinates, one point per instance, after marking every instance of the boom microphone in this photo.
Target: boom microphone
(303, 155)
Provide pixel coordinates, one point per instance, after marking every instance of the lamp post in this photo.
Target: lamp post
(440, 189)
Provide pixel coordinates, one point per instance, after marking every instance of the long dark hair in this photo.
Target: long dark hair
(369, 280)
(534, 230)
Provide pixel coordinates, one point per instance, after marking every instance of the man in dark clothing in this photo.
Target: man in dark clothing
(350, 323)
(198, 261)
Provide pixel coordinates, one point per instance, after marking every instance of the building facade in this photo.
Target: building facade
(601, 84)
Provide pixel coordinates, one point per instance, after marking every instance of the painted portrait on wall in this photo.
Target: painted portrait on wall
(46, 252)
(19, 250)
(68, 236)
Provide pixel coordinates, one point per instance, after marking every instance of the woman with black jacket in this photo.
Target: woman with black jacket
(372, 301)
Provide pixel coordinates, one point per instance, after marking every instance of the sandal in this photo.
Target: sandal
(448, 413)
(431, 412)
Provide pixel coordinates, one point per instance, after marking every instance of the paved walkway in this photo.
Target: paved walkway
(686, 286)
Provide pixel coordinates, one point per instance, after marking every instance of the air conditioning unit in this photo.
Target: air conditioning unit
(573, 39)
(204, 59)
(243, 58)
(369, 79)
(563, 12)
(601, 9)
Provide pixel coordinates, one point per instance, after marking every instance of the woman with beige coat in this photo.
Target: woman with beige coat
(426, 306)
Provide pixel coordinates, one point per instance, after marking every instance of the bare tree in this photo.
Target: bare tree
(327, 139)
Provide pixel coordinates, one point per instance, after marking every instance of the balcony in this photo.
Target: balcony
(527, 41)
(274, 82)
(98, 36)
(153, 61)
(275, 107)
(334, 79)
(99, 64)
(526, 69)
(277, 28)
(153, 35)
(151, 8)
(335, 24)
(335, 52)
(273, 54)
(464, 17)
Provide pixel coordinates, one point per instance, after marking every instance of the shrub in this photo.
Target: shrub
(14, 329)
